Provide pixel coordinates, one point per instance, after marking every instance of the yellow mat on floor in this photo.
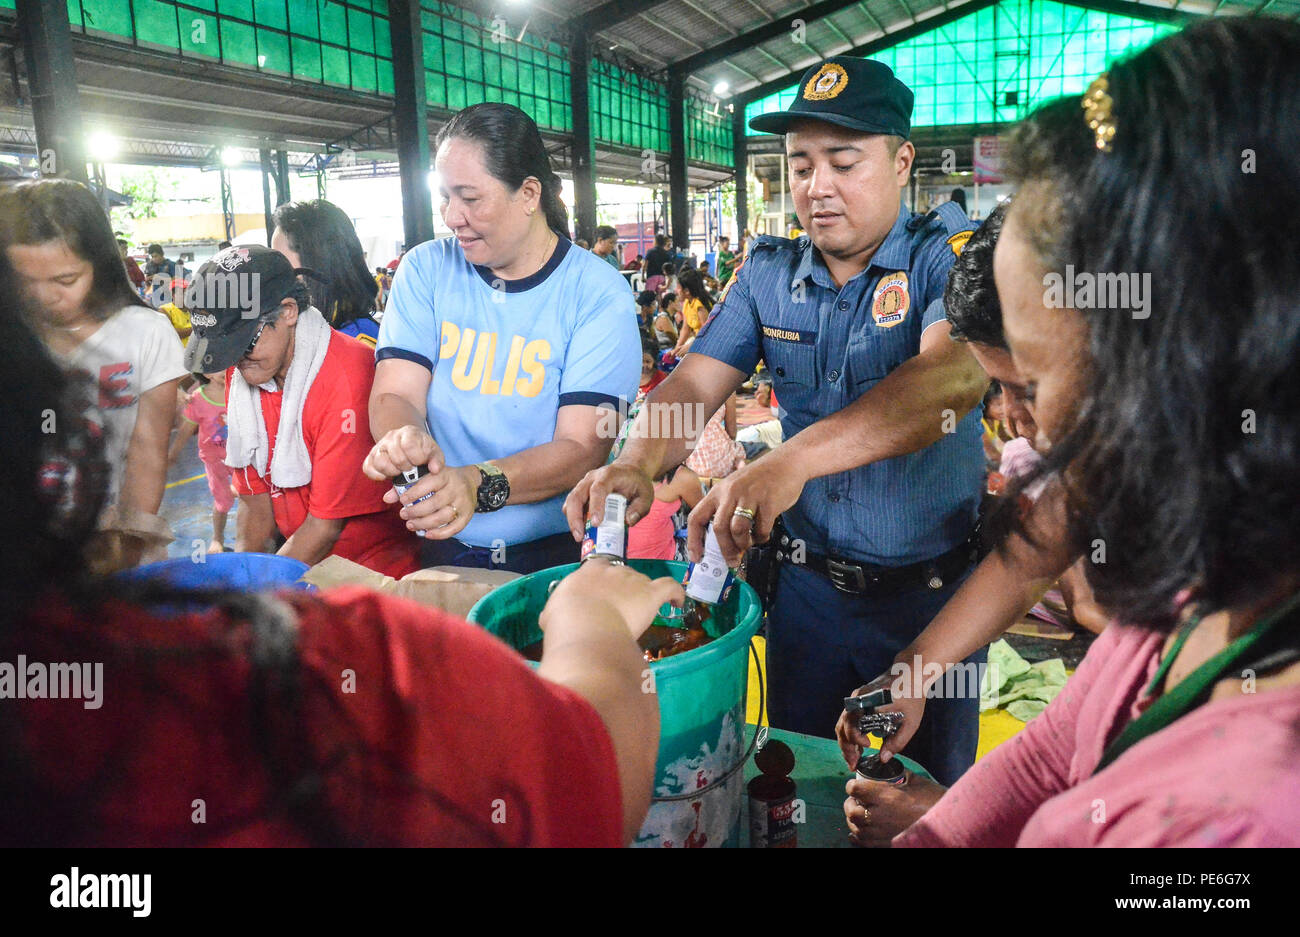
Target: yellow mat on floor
(996, 726)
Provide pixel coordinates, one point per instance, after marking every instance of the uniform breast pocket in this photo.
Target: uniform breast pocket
(874, 353)
(792, 364)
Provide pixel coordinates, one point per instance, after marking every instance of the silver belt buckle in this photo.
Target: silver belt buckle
(847, 577)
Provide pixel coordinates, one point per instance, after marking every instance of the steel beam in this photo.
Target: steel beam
(411, 120)
(677, 179)
(52, 82)
(584, 144)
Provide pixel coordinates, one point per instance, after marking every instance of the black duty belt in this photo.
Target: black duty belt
(872, 580)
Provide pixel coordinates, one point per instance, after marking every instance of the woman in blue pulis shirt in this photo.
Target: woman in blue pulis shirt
(499, 347)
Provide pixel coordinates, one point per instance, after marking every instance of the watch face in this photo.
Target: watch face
(493, 492)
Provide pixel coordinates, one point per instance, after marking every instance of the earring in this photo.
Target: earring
(531, 211)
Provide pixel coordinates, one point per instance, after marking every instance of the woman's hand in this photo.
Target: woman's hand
(876, 812)
(601, 587)
(399, 451)
(912, 706)
(452, 497)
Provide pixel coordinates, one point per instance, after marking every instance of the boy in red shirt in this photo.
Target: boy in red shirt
(253, 316)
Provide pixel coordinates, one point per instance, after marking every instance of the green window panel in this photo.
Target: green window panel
(361, 32)
(1039, 49)
(238, 44)
(155, 23)
(304, 20)
(334, 66)
(383, 38)
(271, 13)
(384, 71)
(333, 22)
(433, 52)
(456, 96)
(239, 9)
(200, 35)
(208, 6)
(363, 73)
(107, 17)
(306, 59)
(273, 52)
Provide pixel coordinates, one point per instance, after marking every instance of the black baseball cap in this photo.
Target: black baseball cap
(860, 94)
(227, 297)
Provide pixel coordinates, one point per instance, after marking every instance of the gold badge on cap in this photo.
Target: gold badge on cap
(890, 302)
(829, 81)
(958, 241)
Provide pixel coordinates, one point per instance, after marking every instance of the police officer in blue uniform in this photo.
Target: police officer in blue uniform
(877, 485)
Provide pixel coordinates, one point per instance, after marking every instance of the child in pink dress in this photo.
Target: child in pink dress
(205, 413)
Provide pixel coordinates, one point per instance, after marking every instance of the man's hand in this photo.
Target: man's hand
(400, 450)
(623, 591)
(911, 706)
(587, 499)
(766, 487)
(876, 812)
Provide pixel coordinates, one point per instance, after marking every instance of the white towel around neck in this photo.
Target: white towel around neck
(247, 442)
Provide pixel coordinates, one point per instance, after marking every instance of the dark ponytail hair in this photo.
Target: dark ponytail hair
(341, 284)
(62, 210)
(512, 151)
(690, 278)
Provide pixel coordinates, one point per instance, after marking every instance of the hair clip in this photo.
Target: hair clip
(1096, 109)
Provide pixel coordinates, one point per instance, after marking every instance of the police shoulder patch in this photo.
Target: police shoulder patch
(958, 241)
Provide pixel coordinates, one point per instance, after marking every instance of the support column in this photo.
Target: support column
(677, 180)
(410, 120)
(52, 80)
(266, 193)
(227, 205)
(282, 193)
(584, 145)
(740, 164)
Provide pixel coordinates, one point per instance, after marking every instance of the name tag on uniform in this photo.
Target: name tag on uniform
(790, 335)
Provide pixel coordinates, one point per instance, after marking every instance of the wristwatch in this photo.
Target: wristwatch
(493, 490)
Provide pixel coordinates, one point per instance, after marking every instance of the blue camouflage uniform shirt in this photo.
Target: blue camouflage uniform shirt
(826, 346)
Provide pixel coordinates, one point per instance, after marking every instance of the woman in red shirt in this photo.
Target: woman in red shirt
(343, 717)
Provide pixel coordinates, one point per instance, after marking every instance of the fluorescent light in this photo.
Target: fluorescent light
(103, 146)
(231, 156)
(721, 88)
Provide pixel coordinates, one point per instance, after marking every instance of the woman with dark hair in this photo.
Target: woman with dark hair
(499, 348)
(664, 326)
(220, 718)
(322, 244)
(65, 262)
(1170, 425)
(697, 303)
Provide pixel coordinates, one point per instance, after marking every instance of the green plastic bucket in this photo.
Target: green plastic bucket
(699, 776)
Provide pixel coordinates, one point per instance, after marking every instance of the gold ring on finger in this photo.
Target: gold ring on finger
(745, 513)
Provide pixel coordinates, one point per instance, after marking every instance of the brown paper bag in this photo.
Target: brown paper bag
(127, 538)
(454, 589)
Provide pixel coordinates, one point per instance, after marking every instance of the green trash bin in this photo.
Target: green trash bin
(699, 776)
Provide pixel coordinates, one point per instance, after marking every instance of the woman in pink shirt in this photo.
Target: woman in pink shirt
(654, 537)
(1170, 424)
(205, 413)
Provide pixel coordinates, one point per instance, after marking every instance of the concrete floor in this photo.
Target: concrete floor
(187, 505)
